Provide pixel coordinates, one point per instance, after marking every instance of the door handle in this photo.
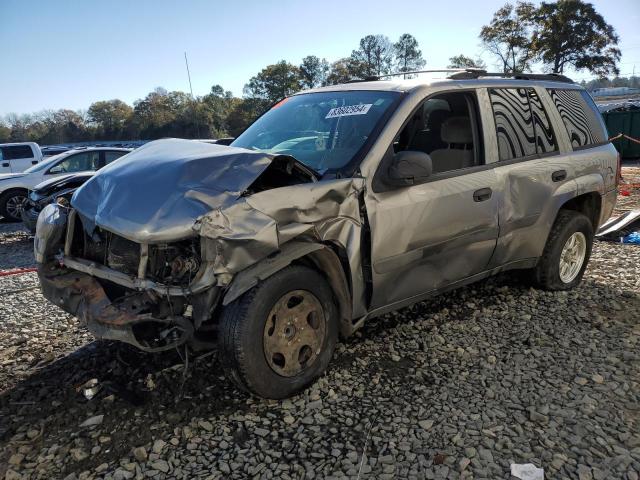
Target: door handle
(5, 164)
(482, 195)
(559, 175)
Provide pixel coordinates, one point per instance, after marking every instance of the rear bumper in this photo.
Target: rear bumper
(607, 206)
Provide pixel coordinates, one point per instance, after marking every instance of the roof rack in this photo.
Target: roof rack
(473, 73)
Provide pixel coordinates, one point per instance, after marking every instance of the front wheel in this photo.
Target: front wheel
(12, 203)
(566, 253)
(278, 337)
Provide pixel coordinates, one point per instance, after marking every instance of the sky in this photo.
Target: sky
(68, 54)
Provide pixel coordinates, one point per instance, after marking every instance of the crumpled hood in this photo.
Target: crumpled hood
(156, 193)
(52, 185)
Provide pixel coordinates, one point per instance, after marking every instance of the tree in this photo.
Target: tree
(408, 55)
(508, 36)
(572, 33)
(375, 55)
(462, 61)
(110, 116)
(274, 82)
(313, 71)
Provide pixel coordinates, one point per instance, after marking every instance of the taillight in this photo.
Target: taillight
(619, 170)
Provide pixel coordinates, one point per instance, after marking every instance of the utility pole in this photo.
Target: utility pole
(193, 100)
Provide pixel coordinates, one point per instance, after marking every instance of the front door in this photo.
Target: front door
(428, 236)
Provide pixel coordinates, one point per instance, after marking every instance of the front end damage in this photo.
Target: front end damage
(132, 272)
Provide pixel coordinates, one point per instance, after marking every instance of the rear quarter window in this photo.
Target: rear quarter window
(580, 116)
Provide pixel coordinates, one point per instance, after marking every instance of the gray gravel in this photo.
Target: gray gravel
(457, 387)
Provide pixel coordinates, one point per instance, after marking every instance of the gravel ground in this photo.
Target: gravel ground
(460, 386)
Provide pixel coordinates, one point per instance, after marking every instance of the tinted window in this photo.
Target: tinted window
(78, 163)
(545, 139)
(111, 156)
(514, 123)
(580, 116)
(16, 152)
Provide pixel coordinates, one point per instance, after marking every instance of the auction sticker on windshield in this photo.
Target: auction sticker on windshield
(349, 110)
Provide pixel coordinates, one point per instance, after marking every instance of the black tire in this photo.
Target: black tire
(242, 326)
(4, 201)
(546, 274)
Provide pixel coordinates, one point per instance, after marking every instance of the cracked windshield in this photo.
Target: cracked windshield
(322, 130)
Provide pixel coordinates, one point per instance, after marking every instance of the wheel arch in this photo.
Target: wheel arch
(589, 204)
(321, 257)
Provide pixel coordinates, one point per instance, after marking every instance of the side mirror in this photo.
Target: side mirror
(409, 167)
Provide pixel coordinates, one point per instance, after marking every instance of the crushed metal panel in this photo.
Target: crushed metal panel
(170, 183)
(254, 227)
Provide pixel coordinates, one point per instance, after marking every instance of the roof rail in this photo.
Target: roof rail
(472, 73)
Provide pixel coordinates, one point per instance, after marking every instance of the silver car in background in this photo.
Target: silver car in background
(337, 205)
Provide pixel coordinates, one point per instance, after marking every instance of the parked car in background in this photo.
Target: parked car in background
(337, 205)
(17, 157)
(14, 187)
(51, 190)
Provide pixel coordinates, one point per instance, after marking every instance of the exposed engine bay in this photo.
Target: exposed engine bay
(156, 292)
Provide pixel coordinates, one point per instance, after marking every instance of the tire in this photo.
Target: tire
(253, 327)
(548, 273)
(7, 204)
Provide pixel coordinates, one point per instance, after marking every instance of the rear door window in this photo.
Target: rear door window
(16, 152)
(514, 123)
(580, 116)
(523, 127)
(112, 155)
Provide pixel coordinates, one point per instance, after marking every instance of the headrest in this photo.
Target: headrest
(456, 130)
(437, 118)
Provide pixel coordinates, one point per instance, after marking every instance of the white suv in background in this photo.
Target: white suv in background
(17, 157)
(14, 187)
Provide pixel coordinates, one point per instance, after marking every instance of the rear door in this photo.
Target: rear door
(17, 158)
(534, 168)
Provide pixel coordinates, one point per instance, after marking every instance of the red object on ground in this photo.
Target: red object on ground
(625, 193)
(17, 271)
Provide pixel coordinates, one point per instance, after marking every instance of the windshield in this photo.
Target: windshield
(324, 130)
(44, 164)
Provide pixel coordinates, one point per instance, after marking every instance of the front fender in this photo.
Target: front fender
(322, 256)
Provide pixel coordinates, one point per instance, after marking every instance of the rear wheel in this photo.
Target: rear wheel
(12, 203)
(566, 253)
(279, 336)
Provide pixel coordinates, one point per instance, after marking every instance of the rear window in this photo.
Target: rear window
(580, 116)
(16, 152)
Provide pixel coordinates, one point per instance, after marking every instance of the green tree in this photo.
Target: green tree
(375, 55)
(572, 33)
(408, 55)
(274, 82)
(462, 61)
(110, 117)
(508, 36)
(313, 71)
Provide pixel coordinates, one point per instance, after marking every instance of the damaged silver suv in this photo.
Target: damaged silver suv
(337, 205)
